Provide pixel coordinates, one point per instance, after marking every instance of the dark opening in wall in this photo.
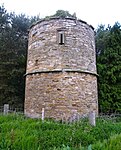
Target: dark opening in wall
(61, 38)
(58, 89)
(36, 62)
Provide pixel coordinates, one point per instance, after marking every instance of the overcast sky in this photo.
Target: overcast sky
(94, 12)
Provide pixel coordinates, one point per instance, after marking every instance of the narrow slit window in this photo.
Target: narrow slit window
(61, 38)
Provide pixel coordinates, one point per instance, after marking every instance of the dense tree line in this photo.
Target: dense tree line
(13, 48)
(108, 47)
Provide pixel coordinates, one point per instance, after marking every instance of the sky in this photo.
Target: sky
(94, 12)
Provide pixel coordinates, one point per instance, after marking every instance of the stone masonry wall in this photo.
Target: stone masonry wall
(61, 94)
(61, 78)
(78, 52)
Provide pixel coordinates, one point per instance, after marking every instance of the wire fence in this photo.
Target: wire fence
(10, 109)
(7, 109)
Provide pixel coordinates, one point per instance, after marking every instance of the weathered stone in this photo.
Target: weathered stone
(61, 78)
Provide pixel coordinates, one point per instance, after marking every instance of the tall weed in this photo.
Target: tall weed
(21, 133)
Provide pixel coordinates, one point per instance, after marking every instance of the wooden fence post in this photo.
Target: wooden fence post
(6, 109)
(43, 113)
(92, 120)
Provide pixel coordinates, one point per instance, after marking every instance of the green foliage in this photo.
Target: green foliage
(21, 133)
(61, 14)
(113, 143)
(13, 48)
(109, 67)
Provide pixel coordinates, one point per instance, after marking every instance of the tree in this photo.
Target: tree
(4, 37)
(108, 46)
(13, 46)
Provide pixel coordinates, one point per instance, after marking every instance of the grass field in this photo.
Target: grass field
(20, 133)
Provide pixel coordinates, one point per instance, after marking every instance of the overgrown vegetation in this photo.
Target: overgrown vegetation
(20, 133)
(62, 14)
(113, 143)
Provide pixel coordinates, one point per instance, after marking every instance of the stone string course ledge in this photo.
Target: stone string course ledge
(59, 70)
(62, 79)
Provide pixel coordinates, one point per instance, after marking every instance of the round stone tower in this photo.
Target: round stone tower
(61, 72)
